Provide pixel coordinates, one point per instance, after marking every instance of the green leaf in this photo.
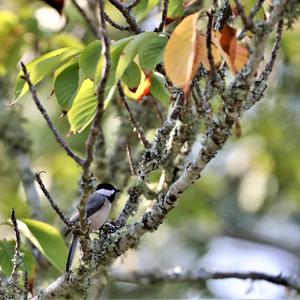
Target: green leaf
(143, 9)
(84, 105)
(175, 8)
(132, 76)
(89, 58)
(47, 239)
(159, 88)
(151, 52)
(130, 51)
(115, 52)
(66, 86)
(42, 67)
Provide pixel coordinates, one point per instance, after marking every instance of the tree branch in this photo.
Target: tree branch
(44, 113)
(177, 275)
(116, 25)
(125, 11)
(163, 16)
(94, 131)
(93, 27)
(52, 203)
(135, 123)
(17, 260)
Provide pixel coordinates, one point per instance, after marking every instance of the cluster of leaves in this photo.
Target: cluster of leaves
(77, 72)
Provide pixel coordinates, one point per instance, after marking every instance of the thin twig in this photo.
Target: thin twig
(51, 201)
(133, 4)
(116, 25)
(158, 109)
(247, 22)
(26, 285)
(130, 160)
(274, 53)
(17, 260)
(44, 113)
(200, 277)
(135, 123)
(261, 83)
(252, 14)
(210, 57)
(163, 16)
(130, 19)
(93, 27)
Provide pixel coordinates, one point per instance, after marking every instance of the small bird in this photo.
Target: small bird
(97, 211)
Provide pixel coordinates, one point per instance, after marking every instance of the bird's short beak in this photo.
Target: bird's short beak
(117, 190)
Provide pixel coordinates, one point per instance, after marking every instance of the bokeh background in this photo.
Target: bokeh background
(244, 213)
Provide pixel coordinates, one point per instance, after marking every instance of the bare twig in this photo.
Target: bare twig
(210, 57)
(158, 109)
(26, 285)
(130, 19)
(248, 22)
(252, 14)
(163, 16)
(116, 25)
(44, 113)
(93, 27)
(133, 4)
(200, 277)
(135, 123)
(130, 160)
(17, 260)
(262, 82)
(274, 53)
(51, 201)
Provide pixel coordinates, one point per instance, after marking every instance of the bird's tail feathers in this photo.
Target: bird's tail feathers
(72, 252)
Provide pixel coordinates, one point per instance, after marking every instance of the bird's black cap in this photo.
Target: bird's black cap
(107, 186)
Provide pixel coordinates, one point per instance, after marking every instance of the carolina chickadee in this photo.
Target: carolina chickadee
(97, 211)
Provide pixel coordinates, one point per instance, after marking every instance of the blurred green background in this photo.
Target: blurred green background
(243, 215)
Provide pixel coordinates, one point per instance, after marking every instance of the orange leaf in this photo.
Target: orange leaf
(180, 52)
(143, 89)
(235, 53)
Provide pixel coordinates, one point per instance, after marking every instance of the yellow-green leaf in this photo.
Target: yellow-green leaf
(44, 66)
(47, 239)
(84, 105)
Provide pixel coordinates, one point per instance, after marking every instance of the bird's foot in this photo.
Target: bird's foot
(107, 228)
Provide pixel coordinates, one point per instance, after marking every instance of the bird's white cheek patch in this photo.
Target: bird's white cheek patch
(104, 192)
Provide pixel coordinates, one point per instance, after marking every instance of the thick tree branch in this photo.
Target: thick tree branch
(44, 113)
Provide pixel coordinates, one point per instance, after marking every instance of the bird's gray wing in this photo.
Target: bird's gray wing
(95, 202)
